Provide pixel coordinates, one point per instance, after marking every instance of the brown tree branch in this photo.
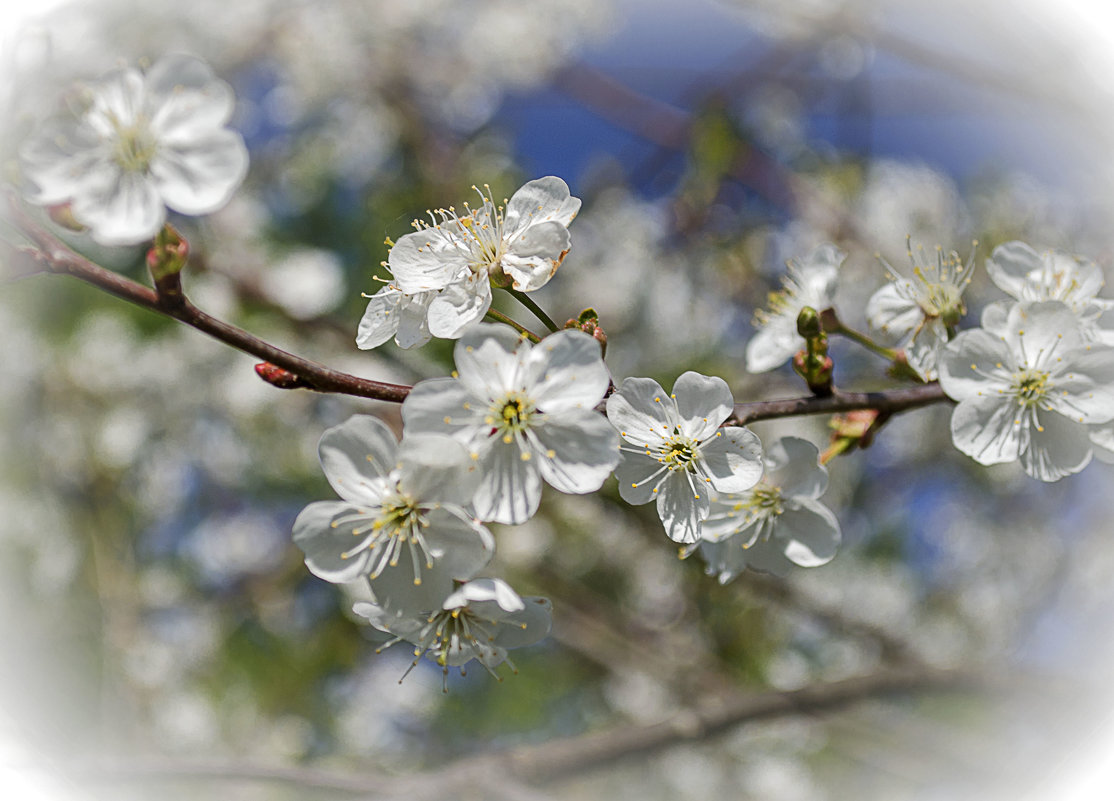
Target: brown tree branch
(557, 759)
(296, 372)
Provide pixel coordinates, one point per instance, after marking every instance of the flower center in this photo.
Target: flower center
(941, 300)
(679, 452)
(400, 516)
(510, 414)
(454, 629)
(1031, 387)
(135, 147)
(765, 501)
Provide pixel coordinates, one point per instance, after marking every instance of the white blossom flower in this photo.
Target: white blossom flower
(464, 254)
(137, 144)
(1029, 383)
(920, 313)
(392, 313)
(481, 620)
(809, 283)
(1026, 275)
(680, 453)
(402, 522)
(526, 414)
(776, 524)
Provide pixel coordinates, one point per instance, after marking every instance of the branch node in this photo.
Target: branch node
(278, 377)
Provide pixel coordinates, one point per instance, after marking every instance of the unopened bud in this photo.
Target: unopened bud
(62, 215)
(279, 377)
(168, 254)
(808, 323)
(589, 322)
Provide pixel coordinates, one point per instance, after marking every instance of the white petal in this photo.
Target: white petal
(436, 468)
(488, 359)
(381, 318)
(460, 545)
(773, 344)
(541, 200)
(891, 311)
(703, 402)
(732, 459)
(356, 452)
(634, 472)
(728, 516)
(807, 533)
(1057, 448)
(413, 330)
(1084, 392)
(566, 371)
(511, 486)
(579, 451)
(324, 544)
(127, 211)
(680, 508)
(1010, 265)
(199, 176)
(535, 254)
(396, 593)
(458, 306)
(986, 429)
(488, 590)
(638, 411)
(441, 405)
(426, 260)
(923, 351)
(186, 99)
(975, 363)
(526, 626)
(792, 465)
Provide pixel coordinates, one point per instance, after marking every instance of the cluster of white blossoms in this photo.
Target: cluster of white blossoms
(444, 271)
(132, 144)
(1033, 384)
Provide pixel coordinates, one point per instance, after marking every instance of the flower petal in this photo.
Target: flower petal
(681, 508)
(441, 405)
(125, 210)
(774, 343)
(436, 468)
(793, 465)
(381, 318)
(636, 482)
(975, 363)
(511, 486)
(535, 254)
(357, 456)
(425, 260)
(987, 429)
(539, 201)
(703, 402)
(458, 306)
(638, 412)
(325, 544)
(892, 311)
(1056, 447)
(807, 533)
(488, 361)
(579, 449)
(566, 371)
(732, 459)
(199, 175)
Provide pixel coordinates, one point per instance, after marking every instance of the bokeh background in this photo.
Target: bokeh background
(161, 636)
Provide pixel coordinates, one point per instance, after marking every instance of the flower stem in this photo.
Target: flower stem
(499, 317)
(534, 308)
